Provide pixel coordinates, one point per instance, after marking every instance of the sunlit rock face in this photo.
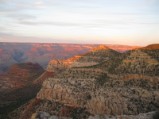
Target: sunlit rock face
(61, 65)
(56, 66)
(94, 57)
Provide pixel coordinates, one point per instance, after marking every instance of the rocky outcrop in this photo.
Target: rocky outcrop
(65, 91)
(140, 116)
(138, 62)
(56, 92)
(109, 103)
(86, 85)
(151, 47)
(56, 66)
(95, 57)
(152, 50)
(112, 96)
(45, 115)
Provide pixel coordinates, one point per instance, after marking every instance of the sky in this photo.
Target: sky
(129, 22)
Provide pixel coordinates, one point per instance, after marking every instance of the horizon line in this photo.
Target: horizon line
(71, 43)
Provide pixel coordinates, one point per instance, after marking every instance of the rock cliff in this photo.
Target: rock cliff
(94, 91)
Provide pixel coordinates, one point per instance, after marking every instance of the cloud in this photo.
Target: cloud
(100, 23)
(2, 28)
(20, 17)
(75, 18)
(11, 6)
(40, 4)
(4, 34)
(55, 23)
(26, 39)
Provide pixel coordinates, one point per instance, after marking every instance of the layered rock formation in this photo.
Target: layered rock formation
(112, 96)
(96, 56)
(94, 91)
(101, 93)
(139, 62)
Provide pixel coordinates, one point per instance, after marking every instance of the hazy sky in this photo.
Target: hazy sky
(133, 22)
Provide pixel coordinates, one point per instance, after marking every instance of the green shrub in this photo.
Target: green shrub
(101, 79)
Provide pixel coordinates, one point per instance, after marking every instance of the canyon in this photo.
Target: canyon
(99, 84)
(42, 53)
